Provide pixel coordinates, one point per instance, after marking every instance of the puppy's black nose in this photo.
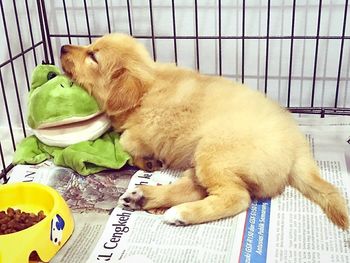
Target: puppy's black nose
(64, 49)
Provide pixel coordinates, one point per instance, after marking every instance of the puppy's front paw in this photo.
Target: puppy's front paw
(173, 217)
(133, 199)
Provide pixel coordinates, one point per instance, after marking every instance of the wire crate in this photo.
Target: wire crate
(297, 52)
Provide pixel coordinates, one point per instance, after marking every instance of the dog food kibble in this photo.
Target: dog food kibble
(13, 220)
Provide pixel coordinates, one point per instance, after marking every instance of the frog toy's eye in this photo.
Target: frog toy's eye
(42, 74)
(51, 75)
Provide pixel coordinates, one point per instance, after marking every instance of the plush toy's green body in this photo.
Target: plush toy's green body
(61, 113)
(86, 157)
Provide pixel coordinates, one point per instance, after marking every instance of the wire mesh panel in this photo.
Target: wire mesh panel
(23, 47)
(297, 52)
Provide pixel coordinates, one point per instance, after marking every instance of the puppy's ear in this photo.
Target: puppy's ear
(127, 88)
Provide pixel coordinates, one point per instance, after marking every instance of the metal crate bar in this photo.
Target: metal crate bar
(42, 30)
(220, 49)
(316, 53)
(87, 21)
(107, 16)
(21, 45)
(214, 37)
(196, 37)
(13, 70)
(2, 158)
(341, 53)
(243, 37)
(152, 31)
(2, 172)
(44, 24)
(129, 17)
(5, 171)
(291, 54)
(322, 111)
(67, 23)
(174, 29)
(7, 111)
(31, 32)
(267, 45)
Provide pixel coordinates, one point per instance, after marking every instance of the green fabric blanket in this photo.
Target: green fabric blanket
(86, 157)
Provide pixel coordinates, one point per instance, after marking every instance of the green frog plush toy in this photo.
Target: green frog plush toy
(68, 126)
(61, 112)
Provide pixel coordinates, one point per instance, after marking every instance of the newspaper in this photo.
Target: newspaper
(299, 231)
(295, 229)
(131, 233)
(288, 228)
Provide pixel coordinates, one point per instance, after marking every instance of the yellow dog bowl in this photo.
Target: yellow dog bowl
(47, 236)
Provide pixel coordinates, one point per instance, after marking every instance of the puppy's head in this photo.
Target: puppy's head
(115, 69)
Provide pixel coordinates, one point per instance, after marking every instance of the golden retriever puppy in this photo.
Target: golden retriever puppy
(232, 143)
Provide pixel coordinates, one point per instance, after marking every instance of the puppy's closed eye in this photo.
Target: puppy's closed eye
(92, 56)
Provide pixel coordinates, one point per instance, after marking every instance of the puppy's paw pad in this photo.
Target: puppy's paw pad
(132, 198)
(172, 217)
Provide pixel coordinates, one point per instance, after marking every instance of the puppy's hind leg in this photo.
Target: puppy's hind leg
(227, 196)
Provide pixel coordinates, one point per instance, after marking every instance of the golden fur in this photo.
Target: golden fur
(232, 143)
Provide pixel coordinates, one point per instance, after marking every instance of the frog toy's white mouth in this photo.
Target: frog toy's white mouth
(73, 130)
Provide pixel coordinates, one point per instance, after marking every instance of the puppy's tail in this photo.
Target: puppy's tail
(306, 178)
